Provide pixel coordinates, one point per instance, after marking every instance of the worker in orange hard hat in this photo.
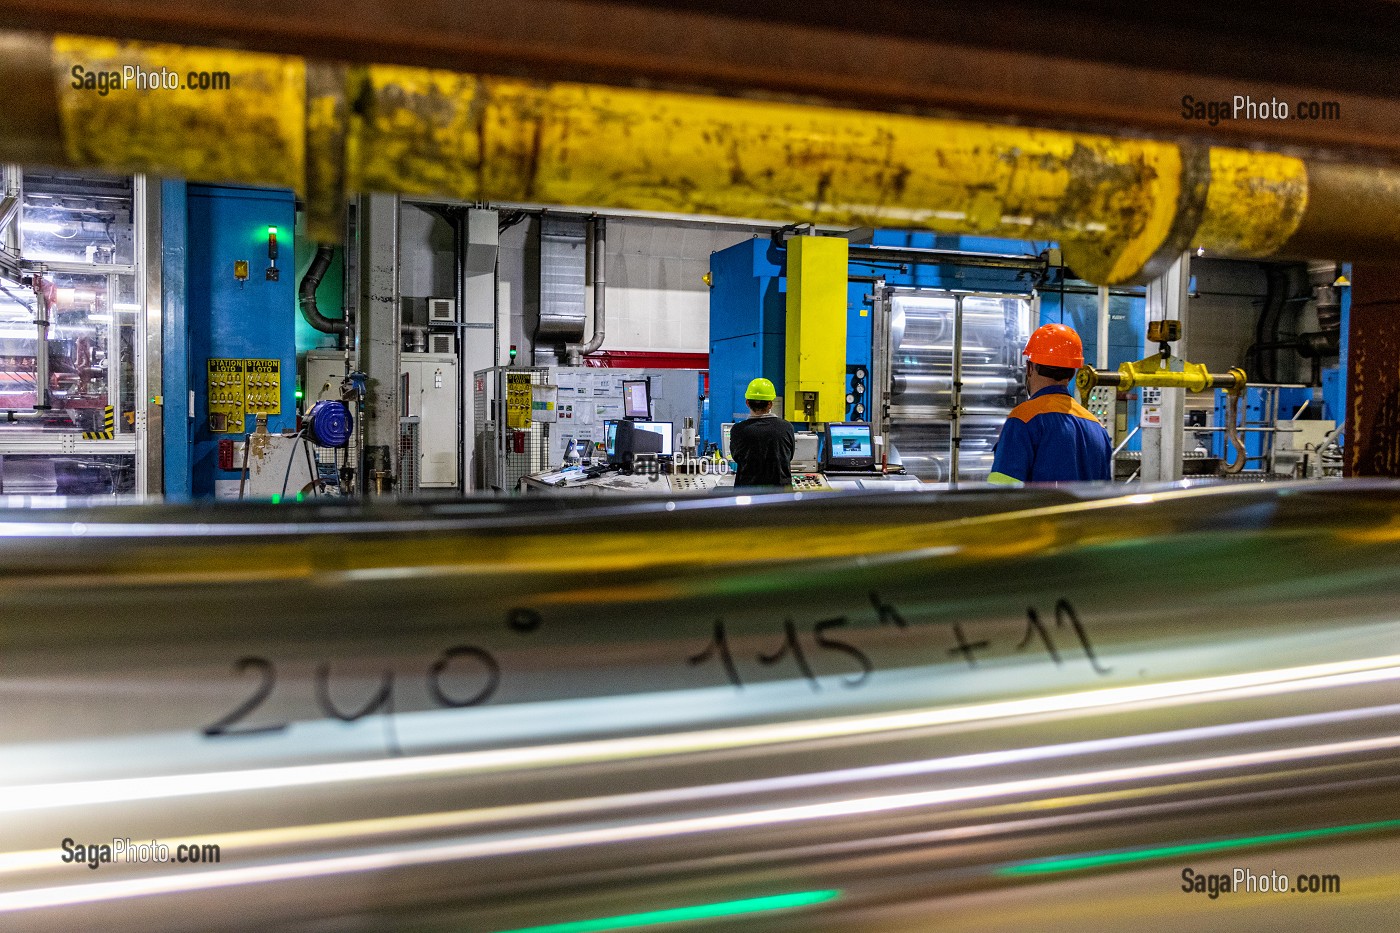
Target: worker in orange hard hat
(1051, 438)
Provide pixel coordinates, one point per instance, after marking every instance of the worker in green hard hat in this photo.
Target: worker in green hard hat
(762, 445)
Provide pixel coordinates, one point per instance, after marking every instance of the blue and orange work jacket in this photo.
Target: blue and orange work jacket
(1051, 438)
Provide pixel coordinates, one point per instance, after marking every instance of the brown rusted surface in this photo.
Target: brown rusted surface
(1060, 65)
(1373, 372)
(1354, 204)
(29, 122)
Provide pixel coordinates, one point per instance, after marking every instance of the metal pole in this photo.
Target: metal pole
(956, 414)
(41, 346)
(114, 350)
(880, 359)
(149, 402)
(1101, 360)
(381, 343)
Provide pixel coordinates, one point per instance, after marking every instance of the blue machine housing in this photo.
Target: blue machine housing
(224, 317)
(748, 321)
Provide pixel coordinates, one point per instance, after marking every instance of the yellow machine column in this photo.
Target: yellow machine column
(814, 375)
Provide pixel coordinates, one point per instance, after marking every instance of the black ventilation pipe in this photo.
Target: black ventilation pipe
(307, 294)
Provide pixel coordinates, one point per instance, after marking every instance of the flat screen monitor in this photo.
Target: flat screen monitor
(636, 398)
(850, 446)
(633, 440)
(666, 429)
(610, 442)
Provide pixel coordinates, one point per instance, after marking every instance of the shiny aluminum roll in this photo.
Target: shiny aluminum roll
(908, 387)
(830, 712)
(921, 380)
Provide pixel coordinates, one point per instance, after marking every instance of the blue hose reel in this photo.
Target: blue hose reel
(329, 423)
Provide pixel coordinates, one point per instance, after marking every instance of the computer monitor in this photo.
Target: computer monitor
(610, 438)
(667, 430)
(724, 431)
(636, 398)
(849, 446)
(632, 439)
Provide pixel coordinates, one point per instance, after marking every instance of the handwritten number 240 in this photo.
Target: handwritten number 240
(381, 700)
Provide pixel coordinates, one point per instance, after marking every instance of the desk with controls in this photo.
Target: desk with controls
(612, 483)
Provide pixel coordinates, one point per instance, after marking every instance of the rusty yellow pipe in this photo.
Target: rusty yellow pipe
(1121, 208)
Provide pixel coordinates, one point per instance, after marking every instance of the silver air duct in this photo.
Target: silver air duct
(576, 352)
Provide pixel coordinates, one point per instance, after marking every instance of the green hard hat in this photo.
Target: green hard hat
(761, 390)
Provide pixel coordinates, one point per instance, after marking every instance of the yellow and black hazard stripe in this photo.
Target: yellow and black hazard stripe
(109, 424)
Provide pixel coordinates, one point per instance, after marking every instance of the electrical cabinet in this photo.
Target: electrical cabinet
(431, 385)
(240, 322)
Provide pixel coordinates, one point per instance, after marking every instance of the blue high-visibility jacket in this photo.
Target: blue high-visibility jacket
(1051, 438)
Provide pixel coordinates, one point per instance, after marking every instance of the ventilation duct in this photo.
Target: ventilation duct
(563, 283)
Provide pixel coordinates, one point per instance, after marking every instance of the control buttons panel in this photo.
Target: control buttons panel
(810, 482)
(1103, 405)
(226, 396)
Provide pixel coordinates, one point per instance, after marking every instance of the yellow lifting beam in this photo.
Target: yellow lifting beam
(1154, 371)
(1161, 371)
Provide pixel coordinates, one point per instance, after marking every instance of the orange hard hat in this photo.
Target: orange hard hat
(1055, 345)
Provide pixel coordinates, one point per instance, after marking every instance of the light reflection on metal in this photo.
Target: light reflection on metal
(724, 910)
(617, 757)
(19, 798)
(1107, 859)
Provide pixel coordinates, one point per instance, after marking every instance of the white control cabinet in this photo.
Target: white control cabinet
(432, 397)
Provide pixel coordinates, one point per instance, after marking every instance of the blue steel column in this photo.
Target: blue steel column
(175, 364)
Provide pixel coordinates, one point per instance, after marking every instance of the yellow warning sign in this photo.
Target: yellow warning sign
(519, 399)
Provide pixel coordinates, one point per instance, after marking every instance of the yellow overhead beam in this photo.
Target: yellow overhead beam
(1120, 208)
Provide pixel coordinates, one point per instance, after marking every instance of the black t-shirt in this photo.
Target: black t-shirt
(763, 449)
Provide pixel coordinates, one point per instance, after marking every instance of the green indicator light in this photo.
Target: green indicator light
(751, 905)
(271, 231)
(301, 497)
(299, 395)
(276, 499)
(1079, 863)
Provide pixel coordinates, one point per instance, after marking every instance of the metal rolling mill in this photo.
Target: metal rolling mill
(374, 550)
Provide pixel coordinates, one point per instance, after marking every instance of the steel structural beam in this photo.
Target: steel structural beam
(1083, 65)
(379, 336)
